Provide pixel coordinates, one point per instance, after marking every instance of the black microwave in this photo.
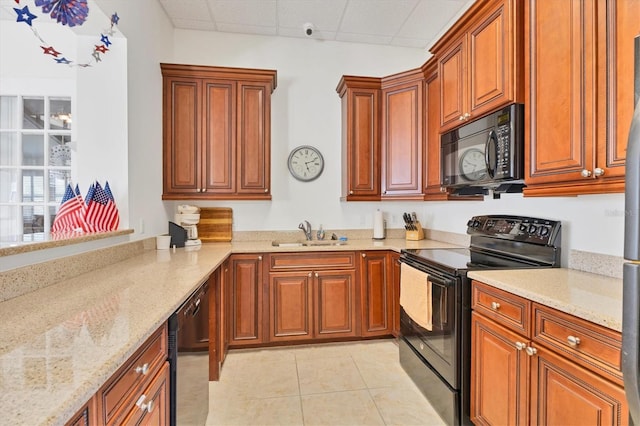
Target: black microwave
(485, 153)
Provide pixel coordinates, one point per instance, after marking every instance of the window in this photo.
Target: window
(35, 163)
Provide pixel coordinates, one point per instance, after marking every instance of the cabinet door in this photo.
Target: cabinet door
(402, 140)
(453, 84)
(499, 375)
(491, 60)
(181, 136)
(560, 138)
(219, 135)
(290, 306)
(432, 186)
(254, 139)
(246, 300)
(361, 143)
(224, 306)
(335, 307)
(376, 294)
(152, 407)
(622, 27)
(564, 393)
(395, 281)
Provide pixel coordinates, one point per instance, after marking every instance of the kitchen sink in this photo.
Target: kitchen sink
(316, 243)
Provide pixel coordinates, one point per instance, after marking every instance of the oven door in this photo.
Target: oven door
(440, 346)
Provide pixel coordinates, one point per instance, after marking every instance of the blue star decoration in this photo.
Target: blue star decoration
(115, 18)
(63, 60)
(24, 15)
(105, 40)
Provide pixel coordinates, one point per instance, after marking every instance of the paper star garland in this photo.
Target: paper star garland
(71, 13)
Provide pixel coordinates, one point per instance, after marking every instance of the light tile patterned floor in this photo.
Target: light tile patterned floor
(359, 383)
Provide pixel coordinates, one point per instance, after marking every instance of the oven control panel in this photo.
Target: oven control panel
(518, 228)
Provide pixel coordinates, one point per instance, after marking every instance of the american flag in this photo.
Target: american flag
(70, 214)
(102, 213)
(107, 189)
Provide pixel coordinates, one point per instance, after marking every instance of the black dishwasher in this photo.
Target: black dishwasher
(189, 363)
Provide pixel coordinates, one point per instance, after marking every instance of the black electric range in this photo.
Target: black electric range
(438, 359)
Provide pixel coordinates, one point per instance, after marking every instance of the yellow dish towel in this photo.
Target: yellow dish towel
(415, 295)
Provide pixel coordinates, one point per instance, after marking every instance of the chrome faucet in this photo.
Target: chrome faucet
(305, 226)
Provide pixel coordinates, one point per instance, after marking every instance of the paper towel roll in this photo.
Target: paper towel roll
(378, 225)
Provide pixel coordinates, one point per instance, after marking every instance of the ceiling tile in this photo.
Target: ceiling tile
(418, 43)
(429, 17)
(196, 10)
(380, 17)
(363, 38)
(260, 13)
(246, 29)
(323, 14)
(192, 24)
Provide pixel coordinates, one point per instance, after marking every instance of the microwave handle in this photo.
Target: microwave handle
(487, 158)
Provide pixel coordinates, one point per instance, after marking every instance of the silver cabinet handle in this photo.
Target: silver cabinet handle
(585, 173)
(148, 407)
(144, 370)
(520, 346)
(531, 351)
(461, 118)
(495, 306)
(466, 116)
(573, 341)
(598, 171)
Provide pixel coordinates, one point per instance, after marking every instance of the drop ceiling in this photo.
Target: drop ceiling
(401, 23)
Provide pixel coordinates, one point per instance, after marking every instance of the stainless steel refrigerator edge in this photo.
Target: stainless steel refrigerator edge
(631, 271)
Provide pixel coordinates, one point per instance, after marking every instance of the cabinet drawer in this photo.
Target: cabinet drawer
(593, 346)
(117, 395)
(512, 311)
(314, 261)
(152, 405)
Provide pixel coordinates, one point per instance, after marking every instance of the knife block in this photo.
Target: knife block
(416, 235)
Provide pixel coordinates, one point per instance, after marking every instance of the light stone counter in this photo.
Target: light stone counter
(596, 298)
(60, 343)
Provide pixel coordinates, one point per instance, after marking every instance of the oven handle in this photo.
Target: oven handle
(434, 276)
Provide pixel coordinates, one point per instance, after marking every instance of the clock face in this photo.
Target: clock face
(305, 163)
(472, 165)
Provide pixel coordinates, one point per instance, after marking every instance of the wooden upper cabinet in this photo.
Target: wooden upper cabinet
(360, 138)
(580, 58)
(480, 62)
(402, 137)
(216, 132)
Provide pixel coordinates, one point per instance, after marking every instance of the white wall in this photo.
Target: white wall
(306, 110)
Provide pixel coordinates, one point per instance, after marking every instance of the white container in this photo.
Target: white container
(163, 242)
(378, 225)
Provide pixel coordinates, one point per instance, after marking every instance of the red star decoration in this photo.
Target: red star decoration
(50, 51)
(102, 48)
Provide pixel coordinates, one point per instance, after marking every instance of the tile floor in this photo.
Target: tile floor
(360, 383)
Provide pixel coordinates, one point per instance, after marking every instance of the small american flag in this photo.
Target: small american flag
(70, 214)
(102, 213)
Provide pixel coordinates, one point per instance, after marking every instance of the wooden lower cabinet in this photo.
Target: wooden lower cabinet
(395, 282)
(152, 407)
(537, 375)
(499, 375)
(245, 290)
(376, 293)
(312, 296)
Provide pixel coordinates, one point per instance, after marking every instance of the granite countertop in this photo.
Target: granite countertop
(596, 298)
(62, 342)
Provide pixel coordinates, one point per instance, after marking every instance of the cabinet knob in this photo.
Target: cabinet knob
(351, 192)
(148, 407)
(204, 190)
(495, 306)
(259, 257)
(585, 173)
(309, 275)
(520, 346)
(364, 254)
(316, 274)
(144, 369)
(461, 118)
(573, 341)
(443, 189)
(531, 351)
(266, 190)
(598, 171)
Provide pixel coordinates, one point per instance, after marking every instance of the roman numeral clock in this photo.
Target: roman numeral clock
(305, 163)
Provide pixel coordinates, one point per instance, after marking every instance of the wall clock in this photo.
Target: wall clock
(305, 163)
(472, 165)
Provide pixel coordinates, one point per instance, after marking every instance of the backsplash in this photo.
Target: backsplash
(601, 264)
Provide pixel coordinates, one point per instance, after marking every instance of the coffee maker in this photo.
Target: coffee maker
(188, 217)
